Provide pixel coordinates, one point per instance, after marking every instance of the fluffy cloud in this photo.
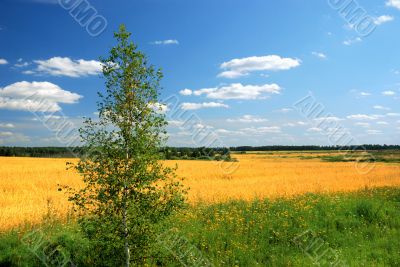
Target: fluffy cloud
(194, 106)
(186, 92)
(393, 3)
(352, 41)
(3, 61)
(319, 55)
(28, 105)
(328, 119)
(380, 107)
(363, 117)
(260, 130)
(6, 125)
(226, 132)
(35, 96)
(52, 117)
(294, 124)
(64, 66)
(365, 94)
(388, 93)
(46, 90)
(202, 126)
(392, 114)
(284, 110)
(166, 42)
(383, 19)
(270, 129)
(239, 91)
(21, 63)
(247, 119)
(239, 67)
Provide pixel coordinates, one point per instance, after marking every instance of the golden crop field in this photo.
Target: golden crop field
(28, 186)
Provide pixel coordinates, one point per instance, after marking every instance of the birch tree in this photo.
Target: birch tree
(127, 190)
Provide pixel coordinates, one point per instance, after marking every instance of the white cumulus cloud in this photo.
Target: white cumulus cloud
(247, 119)
(166, 42)
(383, 19)
(319, 55)
(352, 41)
(284, 110)
(380, 107)
(64, 66)
(393, 3)
(260, 130)
(6, 125)
(35, 96)
(3, 61)
(388, 93)
(239, 67)
(239, 91)
(365, 94)
(186, 92)
(194, 106)
(328, 119)
(364, 117)
(392, 114)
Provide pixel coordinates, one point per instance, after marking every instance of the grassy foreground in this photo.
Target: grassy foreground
(352, 229)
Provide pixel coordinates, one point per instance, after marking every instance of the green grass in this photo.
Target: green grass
(356, 229)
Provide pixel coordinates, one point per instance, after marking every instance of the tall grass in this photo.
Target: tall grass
(357, 229)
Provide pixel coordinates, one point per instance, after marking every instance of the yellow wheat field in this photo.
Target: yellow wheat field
(28, 186)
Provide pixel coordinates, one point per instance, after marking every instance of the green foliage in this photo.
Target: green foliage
(363, 228)
(37, 247)
(385, 156)
(200, 153)
(43, 152)
(204, 153)
(367, 147)
(127, 191)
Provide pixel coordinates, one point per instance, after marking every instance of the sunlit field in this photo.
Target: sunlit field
(28, 186)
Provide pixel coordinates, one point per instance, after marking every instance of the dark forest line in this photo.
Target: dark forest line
(182, 152)
(368, 147)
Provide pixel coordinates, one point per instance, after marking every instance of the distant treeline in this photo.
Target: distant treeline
(206, 153)
(316, 148)
(41, 152)
(179, 152)
(71, 152)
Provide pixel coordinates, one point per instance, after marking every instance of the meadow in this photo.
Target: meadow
(29, 186)
(271, 210)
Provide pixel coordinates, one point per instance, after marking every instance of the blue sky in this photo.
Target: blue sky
(238, 67)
